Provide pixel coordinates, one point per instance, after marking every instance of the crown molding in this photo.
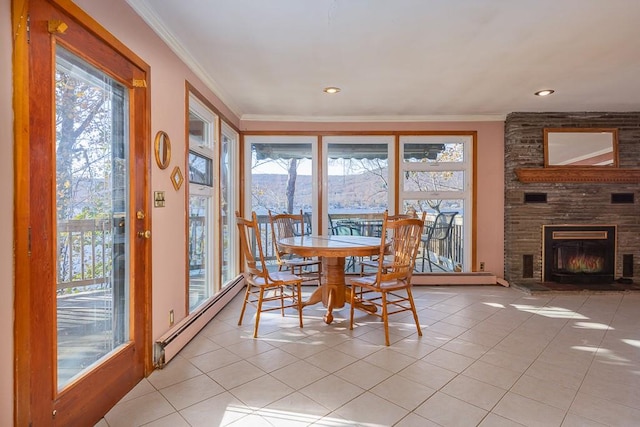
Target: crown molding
(376, 119)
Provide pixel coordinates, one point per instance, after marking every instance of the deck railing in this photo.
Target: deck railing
(450, 248)
(85, 253)
(86, 249)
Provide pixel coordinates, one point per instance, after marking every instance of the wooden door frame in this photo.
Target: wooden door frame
(28, 386)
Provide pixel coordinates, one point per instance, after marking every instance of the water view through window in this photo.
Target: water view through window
(359, 183)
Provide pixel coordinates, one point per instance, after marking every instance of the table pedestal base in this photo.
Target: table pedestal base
(333, 291)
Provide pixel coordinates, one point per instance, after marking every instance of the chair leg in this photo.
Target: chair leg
(299, 298)
(244, 303)
(260, 298)
(415, 313)
(385, 318)
(352, 303)
(281, 289)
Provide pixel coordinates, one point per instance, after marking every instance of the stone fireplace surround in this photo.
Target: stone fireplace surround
(530, 205)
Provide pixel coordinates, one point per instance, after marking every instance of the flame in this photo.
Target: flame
(585, 264)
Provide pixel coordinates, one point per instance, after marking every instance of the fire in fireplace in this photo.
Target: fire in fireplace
(579, 254)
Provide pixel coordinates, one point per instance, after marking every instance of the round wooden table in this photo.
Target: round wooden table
(333, 250)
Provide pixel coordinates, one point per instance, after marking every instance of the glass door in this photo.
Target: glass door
(359, 183)
(281, 176)
(93, 230)
(82, 303)
(436, 177)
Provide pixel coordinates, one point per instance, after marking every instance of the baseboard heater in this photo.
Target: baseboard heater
(168, 345)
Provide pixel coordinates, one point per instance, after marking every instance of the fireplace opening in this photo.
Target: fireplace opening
(579, 254)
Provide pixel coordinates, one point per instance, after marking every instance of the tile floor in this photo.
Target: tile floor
(489, 356)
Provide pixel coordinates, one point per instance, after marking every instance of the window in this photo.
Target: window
(281, 178)
(202, 144)
(282, 173)
(364, 175)
(435, 177)
(359, 176)
(228, 197)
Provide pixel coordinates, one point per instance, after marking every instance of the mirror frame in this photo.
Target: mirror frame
(580, 132)
(162, 149)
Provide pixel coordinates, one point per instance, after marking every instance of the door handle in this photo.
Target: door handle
(144, 234)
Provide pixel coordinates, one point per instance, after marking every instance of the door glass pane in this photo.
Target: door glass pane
(281, 181)
(433, 181)
(92, 286)
(358, 187)
(440, 151)
(442, 247)
(199, 257)
(281, 177)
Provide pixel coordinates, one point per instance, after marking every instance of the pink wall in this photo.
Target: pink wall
(490, 173)
(6, 215)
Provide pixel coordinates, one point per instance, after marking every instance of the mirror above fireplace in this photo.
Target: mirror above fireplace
(580, 147)
(580, 155)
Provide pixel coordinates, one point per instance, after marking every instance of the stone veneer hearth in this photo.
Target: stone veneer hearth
(529, 206)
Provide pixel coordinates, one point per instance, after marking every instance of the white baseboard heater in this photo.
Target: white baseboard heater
(168, 345)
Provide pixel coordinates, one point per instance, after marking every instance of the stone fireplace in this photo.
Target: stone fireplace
(533, 208)
(578, 254)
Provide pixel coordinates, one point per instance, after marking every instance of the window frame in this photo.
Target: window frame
(466, 195)
(205, 148)
(389, 140)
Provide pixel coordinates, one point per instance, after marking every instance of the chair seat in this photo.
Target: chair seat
(370, 282)
(300, 262)
(307, 269)
(281, 277)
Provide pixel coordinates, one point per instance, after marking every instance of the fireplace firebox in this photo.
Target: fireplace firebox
(579, 254)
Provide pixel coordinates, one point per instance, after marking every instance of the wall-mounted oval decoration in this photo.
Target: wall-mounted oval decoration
(162, 148)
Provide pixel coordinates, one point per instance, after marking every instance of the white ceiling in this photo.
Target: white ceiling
(406, 59)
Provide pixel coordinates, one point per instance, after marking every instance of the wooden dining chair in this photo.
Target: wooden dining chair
(372, 263)
(389, 290)
(290, 225)
(264, 286)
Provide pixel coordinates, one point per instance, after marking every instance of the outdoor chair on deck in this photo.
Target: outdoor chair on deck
(345, 228)
(290, 225)
(263, 286)
(439, 231)
(389, 290)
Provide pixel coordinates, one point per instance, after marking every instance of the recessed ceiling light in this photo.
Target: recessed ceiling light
(545, 92)
(331, 89)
